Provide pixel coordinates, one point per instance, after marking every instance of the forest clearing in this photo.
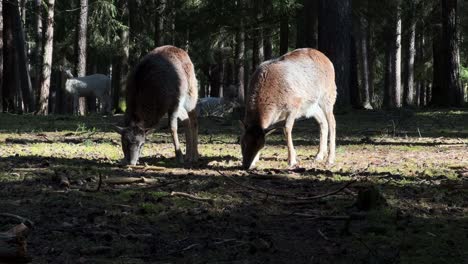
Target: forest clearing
(238, 131)
(396, 194)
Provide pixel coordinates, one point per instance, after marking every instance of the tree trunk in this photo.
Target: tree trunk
(240, 59)
(257, 38)
(409, 92)
(307, 22)
(47, 61)
(335, 41)
(267, 30)
(1, 56)
(120, 63)
(284, 34)
(451, 53)
(37, 52)
(300, 23)
(9, 77)
(388, 82)
(365, 72)
(354, 78)
(439, 86)
(82, 40)
(26, 87)
(311, 23)
(159, 22)
(395, 94)
(247, 66)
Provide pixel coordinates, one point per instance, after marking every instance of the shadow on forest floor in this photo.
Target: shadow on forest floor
(114, 214)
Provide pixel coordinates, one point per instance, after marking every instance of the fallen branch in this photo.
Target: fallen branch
(287, 195)
(129, 180)
(23, 220)
(192, 197)
(325, 217)
(327, 194)
(99, 183)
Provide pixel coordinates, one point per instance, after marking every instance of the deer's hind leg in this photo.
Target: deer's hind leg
(332, 126)
(175, 136)
(185, 118)
(319, 115)
(194, 132)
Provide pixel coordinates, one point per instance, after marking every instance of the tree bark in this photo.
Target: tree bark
(354, 78)
(20, 43)
(159, 22)
(267, 11)
(388, 82)
(257, 37)
(47, 61)
(307, 22)
(335, 25)
(439, 86)
(120, 62)
(37, 52)
(9, 73)
(452, 53)
(395, 94)
(240, 59)
(311, 22)
(284, 34)
(365, 72)
(409, 88)
(1, 56)
(82, 40)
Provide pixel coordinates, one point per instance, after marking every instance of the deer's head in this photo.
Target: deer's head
(133, 138)
(252, 141)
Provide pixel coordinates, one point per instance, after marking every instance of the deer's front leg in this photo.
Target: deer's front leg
(76, 104)
(292, 160)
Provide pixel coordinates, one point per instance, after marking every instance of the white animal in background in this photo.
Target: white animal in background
(97, 85)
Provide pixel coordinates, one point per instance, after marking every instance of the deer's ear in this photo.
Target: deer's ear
(242, 126)
(270, 131)
(119, 129)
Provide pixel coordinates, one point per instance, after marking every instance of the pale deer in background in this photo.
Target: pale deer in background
(296, 85)
(162, 83)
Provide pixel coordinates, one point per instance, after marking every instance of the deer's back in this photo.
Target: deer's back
(158, 83)
(297, 81)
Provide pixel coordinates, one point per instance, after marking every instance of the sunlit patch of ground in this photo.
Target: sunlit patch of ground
(416, 161)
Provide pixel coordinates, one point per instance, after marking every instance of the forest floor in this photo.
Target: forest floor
(405, 201)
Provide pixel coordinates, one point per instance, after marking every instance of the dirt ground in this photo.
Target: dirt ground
(398, 193)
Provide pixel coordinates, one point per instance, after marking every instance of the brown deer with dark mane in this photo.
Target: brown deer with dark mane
(162, 83)
(299, 84)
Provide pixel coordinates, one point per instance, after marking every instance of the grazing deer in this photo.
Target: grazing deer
(298, 84)
(96, 85)
(162, 83)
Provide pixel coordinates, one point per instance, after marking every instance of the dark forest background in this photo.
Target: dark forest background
(387, 54)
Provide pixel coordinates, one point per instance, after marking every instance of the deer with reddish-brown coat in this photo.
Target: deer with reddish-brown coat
(162, 83)
(296, 85)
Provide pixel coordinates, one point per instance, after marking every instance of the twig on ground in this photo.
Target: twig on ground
(325, 217)
(192, 197)
(323, 235)
(129, 180)
(23, 220)
(287, 195)
(99, 183)
(161, 185)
